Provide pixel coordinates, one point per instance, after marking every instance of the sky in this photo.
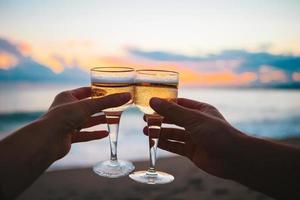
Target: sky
(208, 42)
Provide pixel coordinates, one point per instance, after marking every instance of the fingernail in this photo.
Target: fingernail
(125, 96)
(156, 102)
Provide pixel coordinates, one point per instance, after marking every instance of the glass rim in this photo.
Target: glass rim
(156, 70)
(121, 69)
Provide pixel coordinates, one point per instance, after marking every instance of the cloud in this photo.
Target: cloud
(162, 56)
(18, 67)
(268, 74)
(168, 56)
(227, 68)
(12, 53)
(8, 47)
(253, 61)
(296, 76)
(63, 62)
(249, 61)
(230, 67)
(32, 71)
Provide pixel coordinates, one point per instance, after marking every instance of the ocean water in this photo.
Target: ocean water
(266, 113)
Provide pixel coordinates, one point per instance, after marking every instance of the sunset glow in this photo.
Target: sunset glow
(7, 60)
(192, 37)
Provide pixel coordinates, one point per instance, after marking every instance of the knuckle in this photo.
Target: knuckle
(84, 108)
(205, 105)
(77, 114)
(57, 113)
(61, 95)
(212, 107)
(209, 106)
(65, 116)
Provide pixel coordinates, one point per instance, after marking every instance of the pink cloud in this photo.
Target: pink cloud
(296, 76)
(268, 74)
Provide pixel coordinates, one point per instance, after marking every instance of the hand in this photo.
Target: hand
(207, 139)
(71, 111)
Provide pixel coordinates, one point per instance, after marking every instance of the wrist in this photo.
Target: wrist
(248, 158)
(233, 160)
(48, 138)
(59, 136)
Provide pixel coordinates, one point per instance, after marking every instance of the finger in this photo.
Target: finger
(173, 134)
(81, 93)
(145, 130)
(179, 115)
(93, 121)
(92, 106)
(188, 103)
(171, 146)
(165, 121)
(170, 134)
(201, 106)
(85, 136)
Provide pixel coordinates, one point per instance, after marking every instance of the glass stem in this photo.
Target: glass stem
(113, 120)
(154, 126)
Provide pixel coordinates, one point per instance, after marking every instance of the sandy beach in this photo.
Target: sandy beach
(190, 183)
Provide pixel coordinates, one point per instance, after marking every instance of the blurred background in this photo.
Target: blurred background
(241, 56)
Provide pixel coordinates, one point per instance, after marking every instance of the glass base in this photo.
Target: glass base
(113, 169)
(150, 178)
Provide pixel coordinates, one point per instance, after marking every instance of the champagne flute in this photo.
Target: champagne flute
(106, 81)
(148, 84)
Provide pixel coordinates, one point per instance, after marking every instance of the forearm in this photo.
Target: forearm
(24, 156)
(267, 166)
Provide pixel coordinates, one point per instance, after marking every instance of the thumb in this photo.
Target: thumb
(81, 110)
(171, 111)
(92, 106)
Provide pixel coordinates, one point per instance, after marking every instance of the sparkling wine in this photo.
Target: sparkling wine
(144, 91)
(104, 89)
